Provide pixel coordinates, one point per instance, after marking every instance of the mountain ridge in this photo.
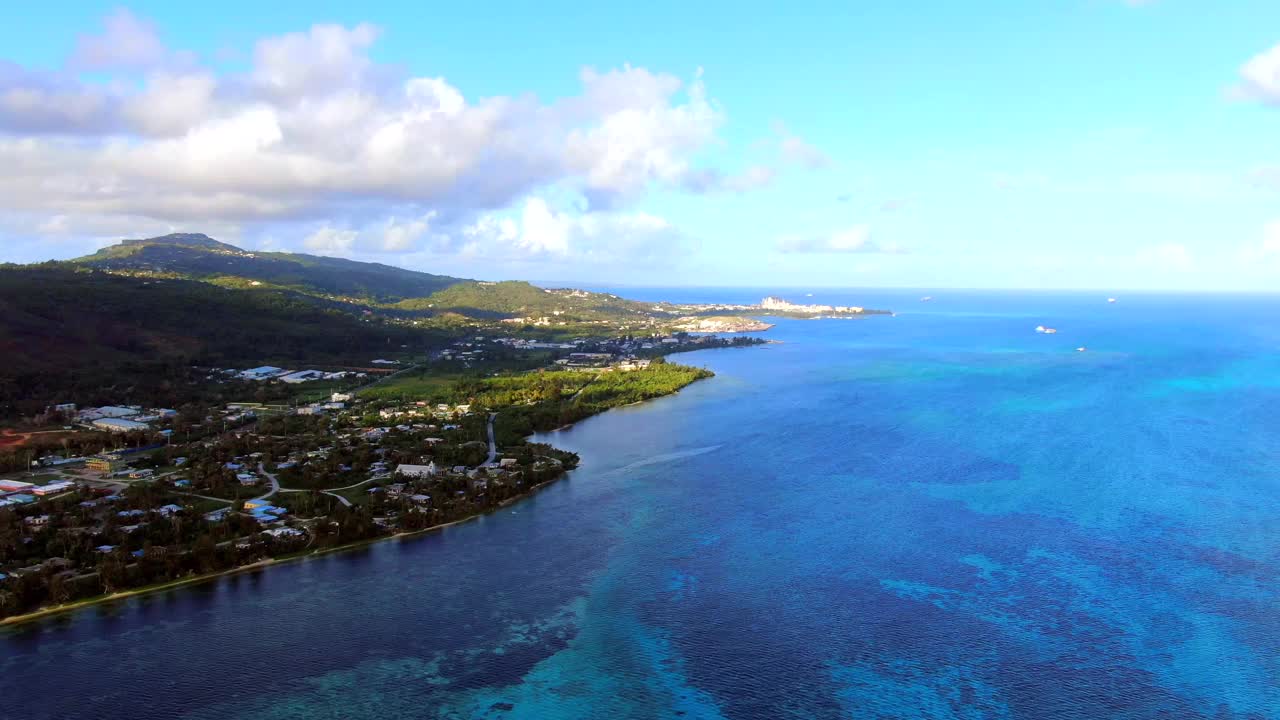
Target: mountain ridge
(200, 257)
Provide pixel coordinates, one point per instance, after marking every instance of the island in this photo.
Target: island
(300, 406)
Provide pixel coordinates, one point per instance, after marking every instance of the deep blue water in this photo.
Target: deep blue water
(937, 515)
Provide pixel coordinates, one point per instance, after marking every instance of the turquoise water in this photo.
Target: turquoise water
(937, 515)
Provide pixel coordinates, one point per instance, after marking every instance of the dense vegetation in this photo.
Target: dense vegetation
(546, 399)
(67, 334)
(554, 399)
(520, 299)
(436, 301)
(199, 257)
(368, 285)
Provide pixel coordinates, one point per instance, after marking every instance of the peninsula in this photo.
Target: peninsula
(294, 407)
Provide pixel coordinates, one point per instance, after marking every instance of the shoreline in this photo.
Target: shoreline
(15, 620)
(45, 612)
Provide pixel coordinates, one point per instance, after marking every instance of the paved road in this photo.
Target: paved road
(125, 483)
(331, 492)
(275, 484)
(493, 442)
(340, 499)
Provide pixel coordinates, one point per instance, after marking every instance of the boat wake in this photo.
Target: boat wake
(664, 458)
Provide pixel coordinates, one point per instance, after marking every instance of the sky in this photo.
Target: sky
(1108, 144)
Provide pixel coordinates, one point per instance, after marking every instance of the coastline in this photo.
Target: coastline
(34, 615)
(15, 620)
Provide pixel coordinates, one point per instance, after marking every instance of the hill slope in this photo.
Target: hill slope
(513, 298)
(380, 288)
(200, 257)
(66, 334)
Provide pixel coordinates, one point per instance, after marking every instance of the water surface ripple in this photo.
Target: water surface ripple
(937, 515)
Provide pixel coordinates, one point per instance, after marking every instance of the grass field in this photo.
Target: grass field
(412, 387)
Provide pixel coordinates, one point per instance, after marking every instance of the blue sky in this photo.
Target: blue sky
(1064, 143)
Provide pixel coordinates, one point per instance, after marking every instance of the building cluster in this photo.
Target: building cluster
(16, 492)
(268, 373)
(780, 305)
(121, 419)
(625, 352)
(420, 409)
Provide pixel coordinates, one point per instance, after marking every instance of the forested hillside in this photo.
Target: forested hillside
(200, 257)
(521, 299)
(64, 332)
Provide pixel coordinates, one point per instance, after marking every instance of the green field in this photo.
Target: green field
(412, 387)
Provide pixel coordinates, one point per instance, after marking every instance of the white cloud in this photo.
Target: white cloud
(404, 235)
(1260, 77)
(172, 103)
(535, 232)
(41, 102)
(126, 43)
(296, 66)
(641, 137)
(601, 238)
(316, 134)
(331, 241)
(1265, 250)
(796, 151)
(854, 239)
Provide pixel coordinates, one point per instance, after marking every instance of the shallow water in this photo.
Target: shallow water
(937, 515)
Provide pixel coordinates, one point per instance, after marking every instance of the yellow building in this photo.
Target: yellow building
(105, 464)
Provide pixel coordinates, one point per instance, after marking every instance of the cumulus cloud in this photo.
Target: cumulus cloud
(1260, 77)
(796, 151)
(35, 102)
(317, 138)
(601, 238)
(850, 240)
(535, 231)
(126, 42)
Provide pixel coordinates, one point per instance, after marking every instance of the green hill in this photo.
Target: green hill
(380, 288)
(516, 299)
(200, 257)
(372, 286)
(67, 334)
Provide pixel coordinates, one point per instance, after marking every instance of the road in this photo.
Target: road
(574, 396)
(275, 484)
(341, 499)
(493, 442)
(331, 492)
(376, 381)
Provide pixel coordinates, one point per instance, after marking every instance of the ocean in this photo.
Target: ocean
(942, 514)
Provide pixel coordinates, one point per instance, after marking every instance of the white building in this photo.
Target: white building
(110, 411)
(266, 372)
(53, 488)
(418, 471)
(303, 376)
(119, 425)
